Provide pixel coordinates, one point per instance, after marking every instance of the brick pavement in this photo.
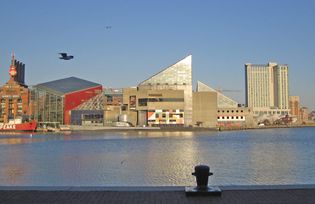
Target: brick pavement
(158, 195)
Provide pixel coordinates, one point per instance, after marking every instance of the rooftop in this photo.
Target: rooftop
(68, 85)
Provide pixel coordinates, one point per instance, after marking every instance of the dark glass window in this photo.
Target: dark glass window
(142, 101)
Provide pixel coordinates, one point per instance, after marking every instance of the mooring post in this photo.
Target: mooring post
(202, 173)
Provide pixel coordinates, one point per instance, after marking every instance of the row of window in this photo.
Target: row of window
(232, 111)
(3, 100)
(167, 110)
(167, 84)
(271, 112)
(144, 101)
(161, 120)
(230, 117)
(170, 115)
(91, 116)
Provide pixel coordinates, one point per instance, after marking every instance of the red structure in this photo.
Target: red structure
(54, 100)
(74, 99)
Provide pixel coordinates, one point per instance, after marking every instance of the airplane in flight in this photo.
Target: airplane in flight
(65, 56)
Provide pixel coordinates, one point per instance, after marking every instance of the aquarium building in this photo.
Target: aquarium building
(53, 101)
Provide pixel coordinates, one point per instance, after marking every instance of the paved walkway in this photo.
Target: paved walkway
(159, 195)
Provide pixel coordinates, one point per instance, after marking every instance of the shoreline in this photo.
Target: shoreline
(70, 129)
(178, 129)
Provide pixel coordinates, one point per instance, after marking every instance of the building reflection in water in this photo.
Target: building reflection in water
(176, 166)
(157, 158)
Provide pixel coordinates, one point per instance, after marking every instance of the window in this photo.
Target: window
(142, 101)
(124, 107)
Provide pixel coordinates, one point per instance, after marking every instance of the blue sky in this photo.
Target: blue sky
(147, 36)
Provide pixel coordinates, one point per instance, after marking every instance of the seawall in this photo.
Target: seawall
(287, 194)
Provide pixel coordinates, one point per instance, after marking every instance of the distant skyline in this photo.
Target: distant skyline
(119, 43)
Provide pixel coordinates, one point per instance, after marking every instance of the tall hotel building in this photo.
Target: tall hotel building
(266, 88)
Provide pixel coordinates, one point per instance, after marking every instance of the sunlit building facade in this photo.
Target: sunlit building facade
(54, 100)
(225, 111)
(294, 104)
(165, 99)
(14, 95)
(267, 88)
(91, 112)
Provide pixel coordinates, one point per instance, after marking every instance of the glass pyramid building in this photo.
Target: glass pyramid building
(175, 77)
(222, 100)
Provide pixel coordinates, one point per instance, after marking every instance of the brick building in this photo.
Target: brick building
(14, 95)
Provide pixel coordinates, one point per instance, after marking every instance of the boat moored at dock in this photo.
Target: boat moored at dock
(24, 126)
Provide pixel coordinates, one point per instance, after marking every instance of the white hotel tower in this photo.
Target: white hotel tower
(266, 88)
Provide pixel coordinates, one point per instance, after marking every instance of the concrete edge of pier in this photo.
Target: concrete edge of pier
(162, 194)
(152, 188)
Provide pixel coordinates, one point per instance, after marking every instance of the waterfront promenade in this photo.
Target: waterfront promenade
(301, 194)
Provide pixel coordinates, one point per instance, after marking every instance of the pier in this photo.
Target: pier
(89, 195)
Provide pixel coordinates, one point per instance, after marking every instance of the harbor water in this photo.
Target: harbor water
(158, 158)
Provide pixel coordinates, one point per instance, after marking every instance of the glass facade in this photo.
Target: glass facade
(222, 100)
(174, 77)
(47, 105)
(87, 117)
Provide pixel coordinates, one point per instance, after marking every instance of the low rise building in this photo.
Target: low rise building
(294, 105)
(155, 107)
(90, 112)
(221, 110)
(113, 106)
(304, 113)
(205, 109)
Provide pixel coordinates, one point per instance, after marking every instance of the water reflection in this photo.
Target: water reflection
(174, 166)
(157, 158)
(272, 163)
(13, 169)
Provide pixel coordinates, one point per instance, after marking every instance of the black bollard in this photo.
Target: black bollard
(202, 173)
